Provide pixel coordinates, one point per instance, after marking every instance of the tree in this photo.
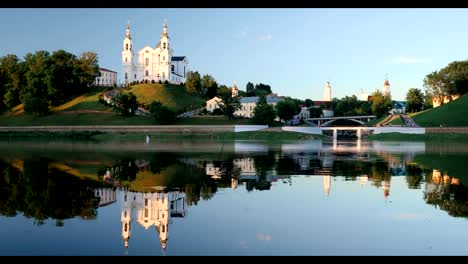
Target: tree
(250, 89)
(36, 106)
(162, 113)
(12, 79)
(126, 104)
(381, 104)
(427, 101)
(414, 100)
(87, 67)
(193, 82)
(228, 105)
(209, 86)
(315, 112)
(264, 114)
(262, 89)
(457, 74)
(62, 80)
(37, 66)
(287, 109)
(308, 103)
(436, 84)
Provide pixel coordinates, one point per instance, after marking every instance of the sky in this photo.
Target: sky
(295, 51)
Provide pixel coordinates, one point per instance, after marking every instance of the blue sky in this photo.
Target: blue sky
(295, 51)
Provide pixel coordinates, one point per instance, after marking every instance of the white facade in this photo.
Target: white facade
(212, 104)
(248, 105)
(153, 64)
(106, 196)
(107, 78)
(152, 209)
(386, 88)
(327, 93)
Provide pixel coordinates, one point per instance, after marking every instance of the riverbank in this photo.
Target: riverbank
(428, 136)
(220, 133)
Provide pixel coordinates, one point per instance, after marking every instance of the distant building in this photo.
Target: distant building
(398, 107)
(386, 88)
(327, 93)
(107, 78)
(213, 103)
(248, 104)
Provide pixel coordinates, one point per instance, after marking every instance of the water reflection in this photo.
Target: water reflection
(151, 189)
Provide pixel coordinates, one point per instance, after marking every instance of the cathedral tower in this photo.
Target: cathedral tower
(386, 87)
(327, 94)
(127, 56)
(165, 55)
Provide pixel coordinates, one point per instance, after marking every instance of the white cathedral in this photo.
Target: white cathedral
(153, 64)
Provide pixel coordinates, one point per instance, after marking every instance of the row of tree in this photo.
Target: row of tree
(44, 79)
(452, 80)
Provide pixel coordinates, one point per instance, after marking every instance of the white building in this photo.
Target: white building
(107, 78)
(248, 104)
(156, 64)
(213, 103)
(106, 196)
(151, 209)
(386, 88)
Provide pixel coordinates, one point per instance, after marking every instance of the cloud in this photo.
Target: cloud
(265, 37)
(409, 60)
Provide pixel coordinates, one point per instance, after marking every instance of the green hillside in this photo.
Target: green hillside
(173, 96)
(451, 114)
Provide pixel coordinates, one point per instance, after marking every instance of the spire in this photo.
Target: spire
(165, 28)
(127, 31)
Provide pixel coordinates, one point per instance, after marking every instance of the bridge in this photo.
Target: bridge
(325, 121)
(360, 131)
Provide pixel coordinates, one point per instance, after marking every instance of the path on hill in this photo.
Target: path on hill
(408, 121)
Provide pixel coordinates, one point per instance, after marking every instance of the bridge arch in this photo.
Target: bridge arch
(327, 123)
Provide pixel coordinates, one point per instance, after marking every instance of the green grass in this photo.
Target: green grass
(396, 121)
(87, 101)
(423, 137)
(450, 114)
(173, 96)
(376, 121)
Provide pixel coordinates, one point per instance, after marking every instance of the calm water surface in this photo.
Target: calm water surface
(239, 198)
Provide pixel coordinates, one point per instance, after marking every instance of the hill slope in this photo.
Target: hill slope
(450, 114)
(173, 96)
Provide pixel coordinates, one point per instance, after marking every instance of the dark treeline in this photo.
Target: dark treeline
(38, 190)
(43, 79)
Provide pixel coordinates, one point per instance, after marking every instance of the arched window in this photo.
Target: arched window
(125, 59)
(164, 58)
(146, 212)
(125, 227)
(147, 73)
(126, 77)
(163, 228)
(146, 202)
(164, 45)
(147, 61)
(126, 46)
